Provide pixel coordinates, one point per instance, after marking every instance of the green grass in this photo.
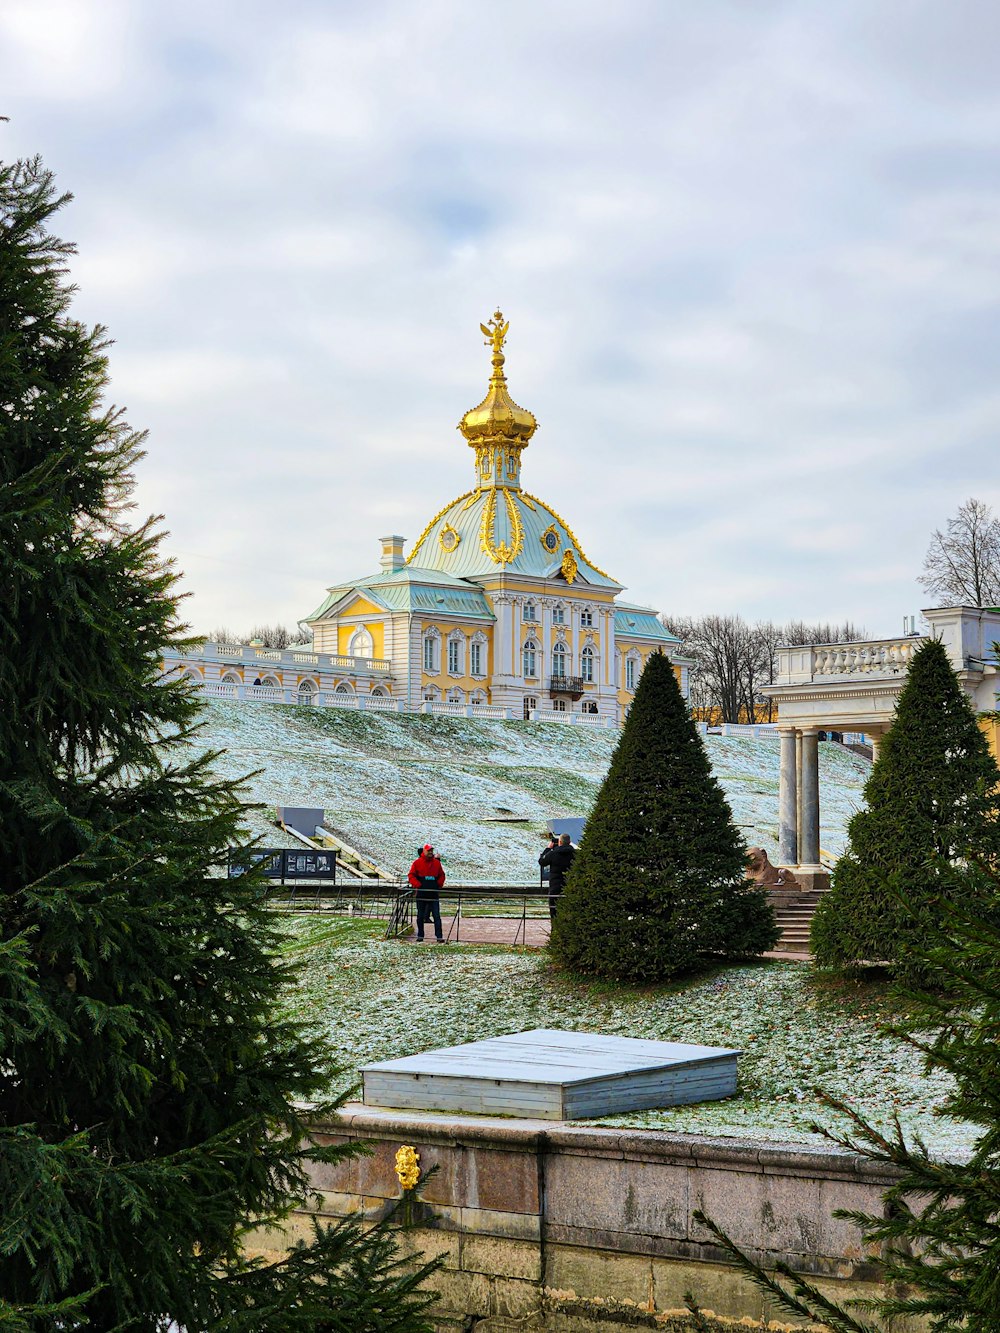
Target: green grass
(798, 1030)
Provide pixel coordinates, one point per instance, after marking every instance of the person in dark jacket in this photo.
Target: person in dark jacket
(427, 877)
(558, 858)
(543, 859)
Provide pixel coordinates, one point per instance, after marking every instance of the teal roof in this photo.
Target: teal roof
(413, 588)
(640, 622)
(497, 522)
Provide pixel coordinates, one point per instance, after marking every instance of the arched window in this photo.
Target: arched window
(379, 693)
(231, 678)
(559, 660)
(477, 697)
(530, 663)
(191, 675)
(587, 665)
(344, 688)
(430, 693)
(361, 644)
(456, 696)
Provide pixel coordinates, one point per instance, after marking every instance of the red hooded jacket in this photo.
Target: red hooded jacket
(427, 866)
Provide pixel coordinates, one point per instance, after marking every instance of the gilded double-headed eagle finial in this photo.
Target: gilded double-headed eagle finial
(496, 331)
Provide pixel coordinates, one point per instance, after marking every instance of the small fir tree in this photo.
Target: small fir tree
(150, 1100)
(937, 1233)
(658, 886)
(932, 802)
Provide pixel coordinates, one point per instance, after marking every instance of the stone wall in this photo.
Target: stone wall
(568, 1229)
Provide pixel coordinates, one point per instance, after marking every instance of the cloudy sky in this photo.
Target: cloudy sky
(750, 253)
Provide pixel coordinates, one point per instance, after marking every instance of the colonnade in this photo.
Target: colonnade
(798, 798)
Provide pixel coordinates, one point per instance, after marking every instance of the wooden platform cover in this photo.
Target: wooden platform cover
(552, 1075)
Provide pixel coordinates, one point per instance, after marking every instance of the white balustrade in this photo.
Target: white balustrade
(881, 657)
(263, 693)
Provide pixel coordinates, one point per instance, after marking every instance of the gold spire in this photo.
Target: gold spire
(498, 429)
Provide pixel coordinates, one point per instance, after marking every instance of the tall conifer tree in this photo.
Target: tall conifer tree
(659, 885)
(148, 1095)
(932, 802)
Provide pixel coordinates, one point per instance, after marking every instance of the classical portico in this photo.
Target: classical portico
(853, 687)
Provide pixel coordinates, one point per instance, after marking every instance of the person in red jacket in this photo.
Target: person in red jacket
(427, 877)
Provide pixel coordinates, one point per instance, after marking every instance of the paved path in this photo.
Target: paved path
(490, 930)
(507, 930)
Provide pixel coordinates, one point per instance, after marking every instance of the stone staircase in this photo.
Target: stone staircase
(794, 914)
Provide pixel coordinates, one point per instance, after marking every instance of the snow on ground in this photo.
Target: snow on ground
(390, 782)
(376, 1000)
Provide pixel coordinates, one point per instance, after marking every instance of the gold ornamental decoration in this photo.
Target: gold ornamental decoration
(408, 1167)
(448, 539)
(550, 539)
(501, 553)
(569, 568)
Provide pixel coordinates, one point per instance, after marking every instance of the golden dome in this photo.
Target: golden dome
(497, 419)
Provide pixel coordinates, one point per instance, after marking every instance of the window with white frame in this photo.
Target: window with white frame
(456, 645)
(529, 611)
(630, 673)
(587, 665)
(559, 615)
(587, 618)
(476, 658)
(430, 654)
(530, 659)
(530, 704)
(559, 659)
(430, 693)
(456, 697)
(360, 644)
(559, 706)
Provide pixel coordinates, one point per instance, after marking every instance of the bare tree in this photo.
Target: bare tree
(962, 564)
(270, 636)
(733, 661)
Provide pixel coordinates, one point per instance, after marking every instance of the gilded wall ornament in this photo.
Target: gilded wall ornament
(569, 568)
(550, 539)
(448, 538)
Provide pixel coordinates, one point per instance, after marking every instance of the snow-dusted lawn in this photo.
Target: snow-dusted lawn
(375, 1000)
(391, 782)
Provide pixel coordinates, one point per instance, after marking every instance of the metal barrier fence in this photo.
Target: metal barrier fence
(507, 901)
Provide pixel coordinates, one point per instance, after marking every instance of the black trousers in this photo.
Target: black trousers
(428, 907)
(555, 893)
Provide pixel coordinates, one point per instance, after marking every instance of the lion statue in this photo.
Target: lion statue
(759, 868)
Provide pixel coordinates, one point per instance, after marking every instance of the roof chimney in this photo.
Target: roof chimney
(392, 553)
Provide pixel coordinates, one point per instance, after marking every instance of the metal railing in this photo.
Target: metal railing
(468, 901)
(566, 684)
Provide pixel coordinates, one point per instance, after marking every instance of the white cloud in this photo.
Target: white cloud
(749, 254)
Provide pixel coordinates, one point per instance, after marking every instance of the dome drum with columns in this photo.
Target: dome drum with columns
(497, 602)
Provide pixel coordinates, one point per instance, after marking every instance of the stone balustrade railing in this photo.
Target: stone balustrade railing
(881, 657)
(293, 657)
(884, 658)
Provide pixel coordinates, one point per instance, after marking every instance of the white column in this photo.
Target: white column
(788, 851)
(809, 847)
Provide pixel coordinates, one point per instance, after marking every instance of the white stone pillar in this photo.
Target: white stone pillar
(788, 848)
(798, 791)
(809, 801)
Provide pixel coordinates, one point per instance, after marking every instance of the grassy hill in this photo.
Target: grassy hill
(390, 782)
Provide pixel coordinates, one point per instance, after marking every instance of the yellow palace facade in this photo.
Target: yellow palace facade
(497, 605)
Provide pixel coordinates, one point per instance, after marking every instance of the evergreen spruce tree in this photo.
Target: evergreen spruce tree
(937, 1232)
(148, 1094)
(658, 886)
(932, 801)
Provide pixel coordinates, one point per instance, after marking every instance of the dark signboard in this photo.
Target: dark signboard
(281, 863)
